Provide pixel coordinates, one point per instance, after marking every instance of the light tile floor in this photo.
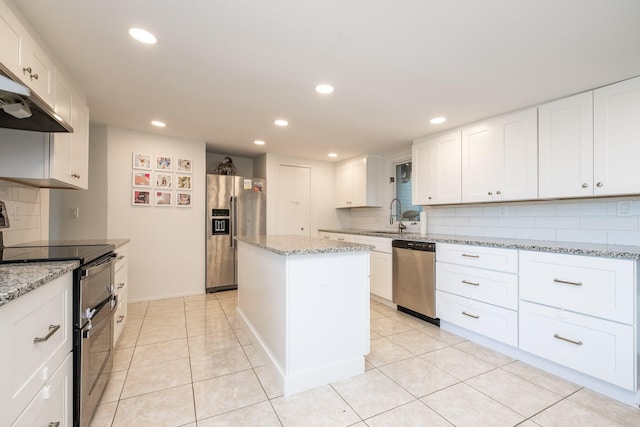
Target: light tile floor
(186, 362)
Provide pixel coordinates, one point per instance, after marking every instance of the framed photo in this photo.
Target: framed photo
(163, 180)
(183, 182)
(141, 161)
(184, 166)
(141, 179)
(183, 199)
(141, 197)
(164, 163)
(163, 198)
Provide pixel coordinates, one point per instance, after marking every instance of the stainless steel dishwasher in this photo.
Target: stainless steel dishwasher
(414, 278)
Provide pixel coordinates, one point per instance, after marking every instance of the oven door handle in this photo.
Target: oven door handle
(100, 265)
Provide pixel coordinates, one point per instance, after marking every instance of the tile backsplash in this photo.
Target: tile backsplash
(610, 221)
(23, 206)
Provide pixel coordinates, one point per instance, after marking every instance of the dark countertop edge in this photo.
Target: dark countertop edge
(22, 289)
(340, 247)
(570, 248)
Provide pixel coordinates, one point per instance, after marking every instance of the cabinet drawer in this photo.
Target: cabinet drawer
(494, 322)
(488, 286)
(120, 279)
(34, 315)
(601, 287)
(477, 256)
(120, 315)
(54, 403)
(121, 257)
(597, 347)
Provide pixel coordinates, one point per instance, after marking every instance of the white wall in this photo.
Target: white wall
(91, 222)
(24, 208)
(323, 211)
(167, 249)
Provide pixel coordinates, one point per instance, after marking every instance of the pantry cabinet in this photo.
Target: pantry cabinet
(616, 113)
(437, 170)
(500, 158)
(565, 130)
(358, 183)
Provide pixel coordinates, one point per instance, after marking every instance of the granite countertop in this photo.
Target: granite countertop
(115, 242)
(21, 278)
(300, 245)
(573, 248)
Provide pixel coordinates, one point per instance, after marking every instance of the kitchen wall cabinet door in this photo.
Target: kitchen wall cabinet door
(617, 138)
(358, 183)
(500, 158)
(565, 130)
(437, 170)
(38, 71)
(12, 35)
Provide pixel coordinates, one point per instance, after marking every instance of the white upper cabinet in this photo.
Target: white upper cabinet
(358, 183)
(617, 138)
(565, 130)
(12, 35)
(38, 71)
(437, 170)
(500, 158)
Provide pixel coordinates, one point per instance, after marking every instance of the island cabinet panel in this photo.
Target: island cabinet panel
(307, 314)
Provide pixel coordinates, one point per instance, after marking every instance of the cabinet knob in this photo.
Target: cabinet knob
(599, 184)
(498, 192)
(26, 70)
(34, 76)
(75, 175)
(585, 185)
(429, 197)
(490, 193)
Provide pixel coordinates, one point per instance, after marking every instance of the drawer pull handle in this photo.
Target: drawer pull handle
(556, 336)
(567, 283)
(120, 258)
(120, 285)
(471, 315)
(120, 318)
(470, 283)
(52, 330)
(471, 256)
(54, 424)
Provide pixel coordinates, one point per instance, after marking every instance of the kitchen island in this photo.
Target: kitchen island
(304, 303)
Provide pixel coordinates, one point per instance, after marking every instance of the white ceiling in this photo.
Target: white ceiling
(223, 70)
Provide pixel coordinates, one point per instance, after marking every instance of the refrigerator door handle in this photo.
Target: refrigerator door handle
(232, 209)
(234, 221)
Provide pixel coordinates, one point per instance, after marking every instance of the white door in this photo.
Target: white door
(617, 138)
(565, 145)
(293, 215)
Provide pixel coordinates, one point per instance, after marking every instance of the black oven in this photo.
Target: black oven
(93, 334)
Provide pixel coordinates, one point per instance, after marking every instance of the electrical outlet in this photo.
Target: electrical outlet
(506, 211)
(75, 212)
(624, 208)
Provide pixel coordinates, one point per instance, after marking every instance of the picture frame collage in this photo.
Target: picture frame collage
(161, 181)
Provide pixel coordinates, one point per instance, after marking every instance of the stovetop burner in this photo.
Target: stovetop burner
(57, 252)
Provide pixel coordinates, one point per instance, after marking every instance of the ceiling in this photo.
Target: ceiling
(222, 71)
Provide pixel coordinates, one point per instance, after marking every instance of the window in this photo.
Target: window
(403, 180)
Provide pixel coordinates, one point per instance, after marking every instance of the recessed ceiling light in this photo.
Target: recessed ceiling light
(143, 36)
(280, 122)
(258, 142)
(437, 120)
(158, 123)
(332, 154)
(324, 89)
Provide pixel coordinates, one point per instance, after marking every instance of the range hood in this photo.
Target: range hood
(21, 109)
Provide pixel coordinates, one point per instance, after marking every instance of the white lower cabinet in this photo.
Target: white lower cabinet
(122, 286)
(600, 348)
(37, 341)
(53, 406)
(489, 320)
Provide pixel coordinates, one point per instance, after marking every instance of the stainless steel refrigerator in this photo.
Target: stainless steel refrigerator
(236, 206)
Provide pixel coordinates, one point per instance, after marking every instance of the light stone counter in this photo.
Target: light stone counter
(572, 248)
(300, 245)
(19, 279)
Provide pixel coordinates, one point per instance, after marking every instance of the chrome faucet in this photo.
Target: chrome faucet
(398, 214)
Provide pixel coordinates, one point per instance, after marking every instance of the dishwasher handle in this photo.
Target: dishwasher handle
(414, 245)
